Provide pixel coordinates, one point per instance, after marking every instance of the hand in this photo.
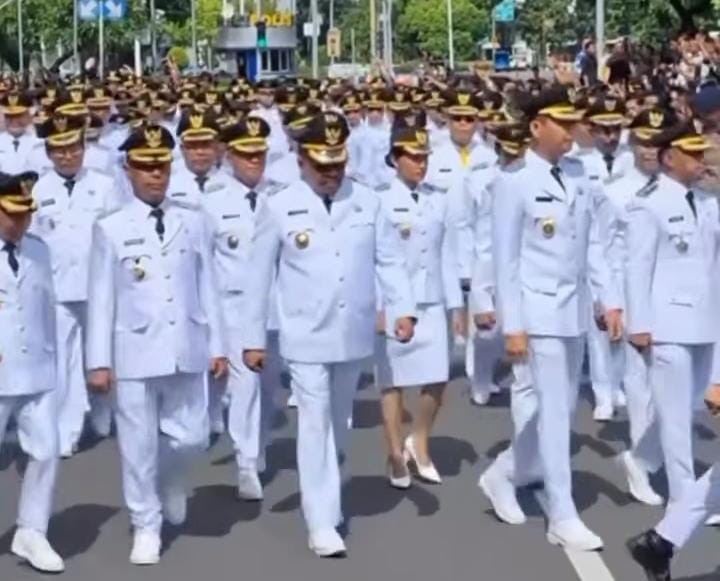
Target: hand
(485, 321)
(100, 380)
(219, 367)
(712, 399)
(380, 322)
(254, 359)
(405, 329)
(641, 341)
(614, 324)
(460, 322)
(516, 346)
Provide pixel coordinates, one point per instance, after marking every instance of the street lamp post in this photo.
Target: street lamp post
(153, 35)
(599, 32)
(21, 53)
(314, 19)
(451, 36)
(193, 25)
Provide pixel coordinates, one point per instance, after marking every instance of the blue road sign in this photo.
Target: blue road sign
(505, 11)
(112, 9)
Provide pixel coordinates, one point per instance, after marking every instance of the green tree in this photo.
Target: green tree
(422, 26)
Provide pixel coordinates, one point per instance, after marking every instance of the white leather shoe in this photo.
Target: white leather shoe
(573, 534)
(427, 472)
(603, 412)
(146, 548)
(174, 505)
(638, 480)
(500, 491)
(480, 398)
(249, 485)
(33, 547)
(713, 521)
(619, 399)
(292, 401)
(400, 482)
(326, 543)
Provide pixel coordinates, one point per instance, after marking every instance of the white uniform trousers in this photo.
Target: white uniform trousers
(484, 348)
(605, 365)
(324, 394)
(161, 421)
(678, 374)
(644, 427)
(688, 514)
(72, 397)
(555, 363)
(36, 418)
(520, 463)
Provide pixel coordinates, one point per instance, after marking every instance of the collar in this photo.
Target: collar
(533, 159)
(141, 210)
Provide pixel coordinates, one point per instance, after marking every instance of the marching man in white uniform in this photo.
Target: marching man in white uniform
(673, 236)
(420, 214)
(28, 366)
(70, 197)
(545, 249)
(18, 140)
(154, 328)
(233, 210)
(328, 239)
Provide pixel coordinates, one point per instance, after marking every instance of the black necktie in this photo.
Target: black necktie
(609, 161)
(10, 248)
(201, 181)
(158, 214)
(327, 200)
(690, 197)
(556, 171)
(252, 198)
(414, 196)
(16, 144)
(70, 186)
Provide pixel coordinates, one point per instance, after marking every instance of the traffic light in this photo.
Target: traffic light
(261, 28)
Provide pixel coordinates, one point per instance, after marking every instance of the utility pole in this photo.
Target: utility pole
(451, 36)
(600, 33)
(193, 27)
(21, 52)
(153, 35)
(314, 18)
(101, 40)
(373, 32)
(76, 54)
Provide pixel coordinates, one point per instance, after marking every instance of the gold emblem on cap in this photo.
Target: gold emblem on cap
(410, 120)
(331, 118)
(656, 118)
(488, 104)
(51, 93)
(196, 121)
(332, 135)
(610, 104)
(76, 96)
(405, 231)
(99, 93)
(233, 242)
(302, 240)
(698, 125)
(153, 138)
(210, 98)
(463, 98)
(13, 100)
(548, 227)
(253, 128)
(572, 95)
(421, 137)
(60, 124)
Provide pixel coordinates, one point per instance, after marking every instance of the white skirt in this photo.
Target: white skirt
(422, 361)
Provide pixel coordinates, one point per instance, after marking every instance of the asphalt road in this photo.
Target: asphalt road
(424, 534)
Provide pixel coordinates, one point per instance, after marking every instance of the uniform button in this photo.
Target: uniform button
(424, 250)
(424, 232)
(172, 323)
(164, 253)
(342, 279)
(423, 267)
(167, 277)
(22, 329)
(332, 229)
(169, 299)
(342, 304)
(337, 254)
(24, 349)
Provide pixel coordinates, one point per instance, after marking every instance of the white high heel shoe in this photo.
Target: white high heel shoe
(427, 472)
(400, 482)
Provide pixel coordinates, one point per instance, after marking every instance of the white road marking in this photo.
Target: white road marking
(589, 566)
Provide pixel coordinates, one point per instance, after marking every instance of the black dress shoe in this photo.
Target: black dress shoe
(653, 554)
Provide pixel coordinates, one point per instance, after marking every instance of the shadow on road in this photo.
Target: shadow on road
(367, 414)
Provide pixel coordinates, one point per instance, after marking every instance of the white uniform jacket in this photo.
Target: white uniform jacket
(326, 267)
(546, 249)
(672, 284)
(65, 223)
(427, 239)
(27, 321)
(153, 307)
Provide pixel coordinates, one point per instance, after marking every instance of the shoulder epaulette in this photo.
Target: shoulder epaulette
(480, 166)
(382, 187)
(214, 188)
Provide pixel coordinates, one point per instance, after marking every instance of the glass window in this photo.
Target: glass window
(283, 60)
(264, 61)
(275, 60)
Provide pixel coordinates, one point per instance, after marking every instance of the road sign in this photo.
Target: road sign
(505, 11)
(112, 9)
(308, 26)
(333, 42)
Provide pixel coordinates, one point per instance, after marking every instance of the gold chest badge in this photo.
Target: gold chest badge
(405, 231)
(548, 227)
(682, 246)
(138, 270)
(302, 240)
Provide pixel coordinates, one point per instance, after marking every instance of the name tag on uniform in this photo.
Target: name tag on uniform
(134, 242)
(675, 219)
(594, 178)
(401, 209)
(231, 216)
(544, 199)
(445, 170)
(46, 203)
(178, 195)
(297, 212)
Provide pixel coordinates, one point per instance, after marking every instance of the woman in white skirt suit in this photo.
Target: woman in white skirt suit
(419, 212)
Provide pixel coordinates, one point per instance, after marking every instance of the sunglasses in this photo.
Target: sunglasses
(464, 118)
